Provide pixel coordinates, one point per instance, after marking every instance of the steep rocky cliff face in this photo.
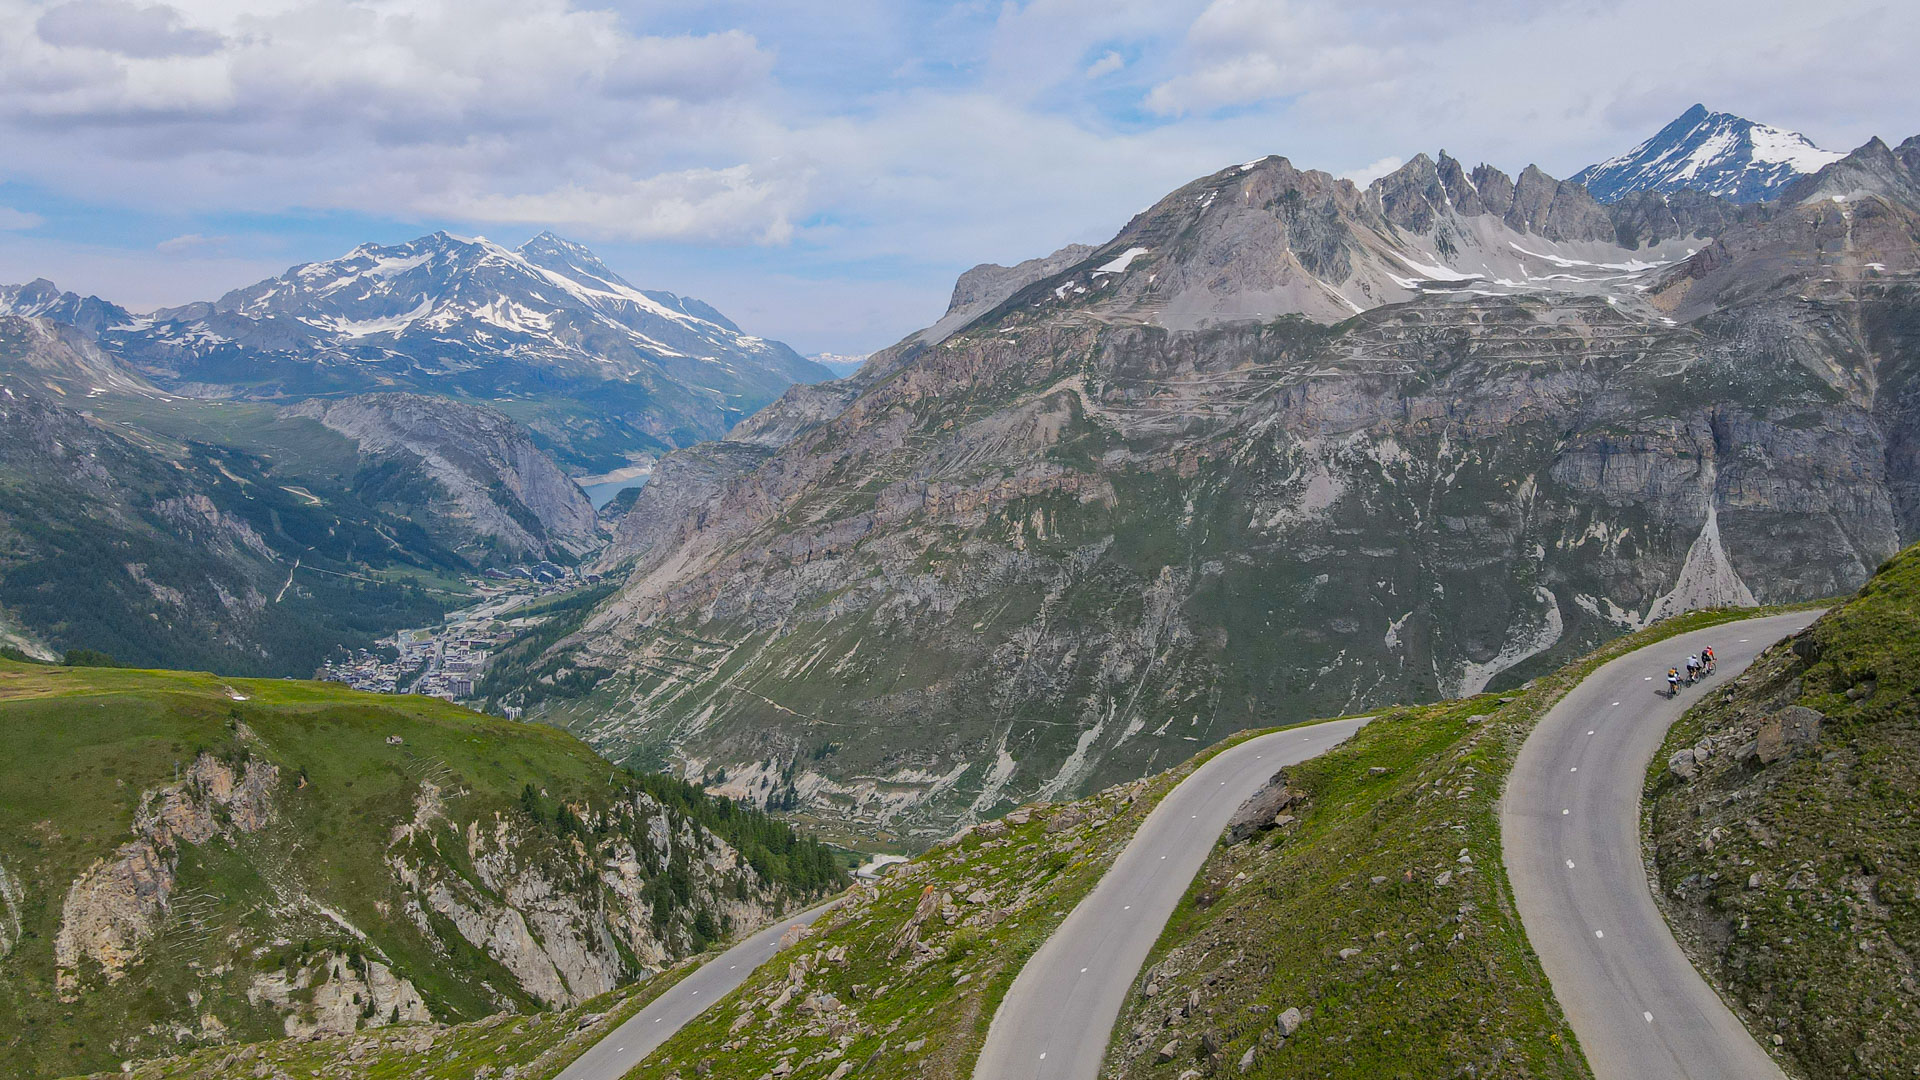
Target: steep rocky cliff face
(1130, 508)
(187, 861)
(499, 487)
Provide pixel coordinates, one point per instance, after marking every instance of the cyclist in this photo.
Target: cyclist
(1673, 682)
(1706, 658)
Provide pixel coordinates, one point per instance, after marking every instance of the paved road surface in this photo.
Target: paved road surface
(1570, 829)
(631, 1042)
(1054, 1021)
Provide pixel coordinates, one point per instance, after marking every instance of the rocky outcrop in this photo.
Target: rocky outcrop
(12, 899)
(1647, 218)
(338, 995)
(500, 488)
(120, 902)
(569, 924)
(984, 287)
(44, 356)
(1844, 234)
(1265, 809)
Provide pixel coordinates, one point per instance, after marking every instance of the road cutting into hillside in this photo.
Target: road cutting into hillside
(629, 1044)
(1570, 833)
(1054, 1021)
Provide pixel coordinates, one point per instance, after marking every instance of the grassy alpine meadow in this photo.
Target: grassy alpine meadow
(367, 806)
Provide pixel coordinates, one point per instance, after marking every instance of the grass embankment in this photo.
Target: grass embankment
(1396, 856)
(1789, 866)
(81, 747)
(874, 993)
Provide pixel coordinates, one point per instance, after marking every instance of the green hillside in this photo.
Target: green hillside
(1789, 854)
(188, 860)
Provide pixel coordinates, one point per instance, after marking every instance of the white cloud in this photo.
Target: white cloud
(1368, 173)
(1241, 52)
(709, 204)
(11, 219)
(770, 128)
(189, 242)
(116, 26)
(1108, 63)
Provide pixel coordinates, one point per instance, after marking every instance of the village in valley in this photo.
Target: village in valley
(446, 661)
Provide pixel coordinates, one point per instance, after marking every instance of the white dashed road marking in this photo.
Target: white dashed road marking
(1569, 864)
(1649, 1016)
(1599, 933)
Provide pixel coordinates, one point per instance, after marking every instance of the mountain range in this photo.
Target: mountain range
(312, 461)
(1283, 447)
(598, 369)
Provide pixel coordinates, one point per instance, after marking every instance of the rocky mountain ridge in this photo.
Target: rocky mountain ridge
(1713, 153)
(1181, 487)
(41, 298)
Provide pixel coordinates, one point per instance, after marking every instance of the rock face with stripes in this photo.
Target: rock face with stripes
(1284, 447)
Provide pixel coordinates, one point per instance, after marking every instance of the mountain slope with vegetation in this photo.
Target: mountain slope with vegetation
(902, 979)
(1154, 496)
(187, 860)
(242, 537)
(1388, 847)
(1371, 932)
(1782, 826)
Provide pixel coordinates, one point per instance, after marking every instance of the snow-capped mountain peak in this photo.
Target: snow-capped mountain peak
(550, 299)
(464, 316)
(1713, 152)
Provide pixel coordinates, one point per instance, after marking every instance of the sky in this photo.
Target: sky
(822, 171)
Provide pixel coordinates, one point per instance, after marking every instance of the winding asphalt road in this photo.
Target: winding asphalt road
(1054, 1021)
(1570, 831)
(631, 1042)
